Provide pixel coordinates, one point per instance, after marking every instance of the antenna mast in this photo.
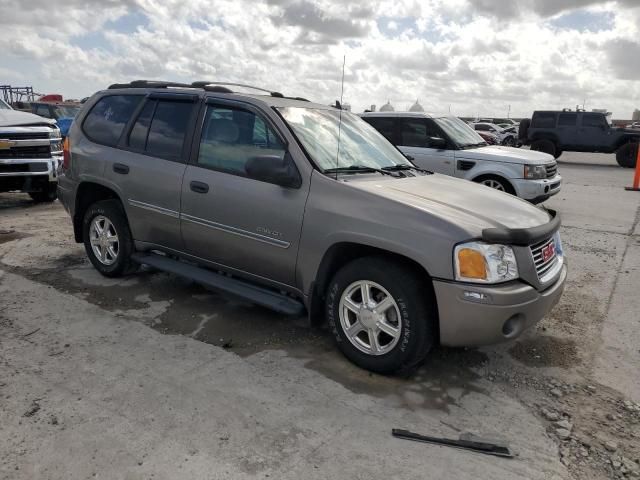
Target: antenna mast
(344, 60)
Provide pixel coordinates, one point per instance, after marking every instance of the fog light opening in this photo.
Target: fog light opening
(546, 189)
(513, 326)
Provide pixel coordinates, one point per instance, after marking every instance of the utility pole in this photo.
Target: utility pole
(509, 112)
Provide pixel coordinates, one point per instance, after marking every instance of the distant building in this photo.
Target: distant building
(387, 107)
(636, 115)
(416, 107)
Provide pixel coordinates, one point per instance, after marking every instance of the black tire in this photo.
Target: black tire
(48, 195)
(627, 155)
(415, 303)
(121, 264)
(523, 129)
(509, 141)
(545, 146)
(558, 152)
(491, 181)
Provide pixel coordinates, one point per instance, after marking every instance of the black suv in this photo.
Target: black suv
(553, 132)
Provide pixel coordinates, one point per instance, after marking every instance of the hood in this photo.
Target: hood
(14, 118)
(505, 154)
(467, 205)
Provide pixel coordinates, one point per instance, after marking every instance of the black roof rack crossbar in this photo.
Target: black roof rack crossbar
(204, 83)
(149, 84)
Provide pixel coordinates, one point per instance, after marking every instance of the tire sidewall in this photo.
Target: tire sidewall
(626, 156)
(114, 212)
(412, 330)
(550, 147)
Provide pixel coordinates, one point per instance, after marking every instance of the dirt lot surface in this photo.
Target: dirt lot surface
(154, 377)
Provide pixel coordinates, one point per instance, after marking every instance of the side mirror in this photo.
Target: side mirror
(437, 142)
(273, 169)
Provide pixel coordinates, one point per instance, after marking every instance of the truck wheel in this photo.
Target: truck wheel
(48, 195)
(382, 315)
(627, 155)
(495, 182)
(558, 153)
(544, 146)
(523, 129)
(107, 238)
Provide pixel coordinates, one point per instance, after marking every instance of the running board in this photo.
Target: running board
(248, 291)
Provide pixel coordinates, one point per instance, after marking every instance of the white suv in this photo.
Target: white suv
(445, 144)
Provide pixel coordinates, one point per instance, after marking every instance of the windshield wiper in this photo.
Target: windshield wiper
(357, 169)
(404, 166)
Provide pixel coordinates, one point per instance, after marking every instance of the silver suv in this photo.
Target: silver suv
(298, 206)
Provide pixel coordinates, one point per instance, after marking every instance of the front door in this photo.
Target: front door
(416, 138)
(594, 132)
(230, 219)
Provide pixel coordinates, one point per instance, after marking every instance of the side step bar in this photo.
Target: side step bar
(255, 294)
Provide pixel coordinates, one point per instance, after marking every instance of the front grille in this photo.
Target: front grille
(25, 136)
(542, 266)
(40, 151)
(23, 167)
(552, 169)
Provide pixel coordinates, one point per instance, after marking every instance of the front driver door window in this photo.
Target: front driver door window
(227, 218)
(416, 140)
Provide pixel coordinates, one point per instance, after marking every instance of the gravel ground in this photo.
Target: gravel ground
(154, 377)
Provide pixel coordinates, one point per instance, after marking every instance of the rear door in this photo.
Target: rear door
(230, 219)
(568, 129)
(150, 164)
(416, 137)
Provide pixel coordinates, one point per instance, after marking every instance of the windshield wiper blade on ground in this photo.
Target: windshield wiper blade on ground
(357, 169)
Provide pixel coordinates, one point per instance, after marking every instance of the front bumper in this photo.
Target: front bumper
(29, 174)
(537, 190)
(472, 315)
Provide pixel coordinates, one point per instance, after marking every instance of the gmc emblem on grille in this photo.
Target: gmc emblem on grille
(548, 252)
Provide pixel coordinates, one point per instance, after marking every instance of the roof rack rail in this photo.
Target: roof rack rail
(209, 86)
(204, 83)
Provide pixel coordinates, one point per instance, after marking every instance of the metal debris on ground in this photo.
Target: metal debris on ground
(466, 441)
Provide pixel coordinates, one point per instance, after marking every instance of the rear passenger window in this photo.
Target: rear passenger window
(567, 120)
(231, 136)
(160, 128)
(383, 125)
(544, 120)
(108, 117)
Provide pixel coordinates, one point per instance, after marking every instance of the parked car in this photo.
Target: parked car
(62, 113)
(488, 137)
(446, 144)
(554, 132)
(499, 121)
(506, 136)
(304, 206)
(30, 154)
(635, 125)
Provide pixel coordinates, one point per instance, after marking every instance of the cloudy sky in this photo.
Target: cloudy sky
(470, 56)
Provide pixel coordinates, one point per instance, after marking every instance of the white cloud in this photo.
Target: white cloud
(467, 54)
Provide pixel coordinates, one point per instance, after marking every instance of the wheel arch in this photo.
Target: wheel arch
(88, 193)
(344, 252)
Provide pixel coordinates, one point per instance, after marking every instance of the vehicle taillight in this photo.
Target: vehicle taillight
(66, 154)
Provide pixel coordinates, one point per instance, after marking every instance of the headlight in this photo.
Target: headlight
(484, 263)
(55, 133)
(535, 171)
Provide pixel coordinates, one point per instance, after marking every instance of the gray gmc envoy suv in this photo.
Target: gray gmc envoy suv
(298, 206)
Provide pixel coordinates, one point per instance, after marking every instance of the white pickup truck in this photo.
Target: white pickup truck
(30, 154)
(445, 144)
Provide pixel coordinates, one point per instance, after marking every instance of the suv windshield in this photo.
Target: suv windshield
(459, 132)
(360, 144)
(4, 106)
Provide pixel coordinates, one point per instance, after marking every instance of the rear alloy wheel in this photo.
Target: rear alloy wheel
(544, 146)
(107, 238)
(627, 155)
(382, 314)
(509, 142)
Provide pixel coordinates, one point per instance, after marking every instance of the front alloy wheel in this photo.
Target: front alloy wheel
(370, 317)
(493, 183)
(104, 240)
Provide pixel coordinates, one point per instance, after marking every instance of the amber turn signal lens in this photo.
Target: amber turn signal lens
(471, 264)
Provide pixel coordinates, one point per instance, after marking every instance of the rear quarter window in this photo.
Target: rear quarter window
(108, 117)
(543, 120)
